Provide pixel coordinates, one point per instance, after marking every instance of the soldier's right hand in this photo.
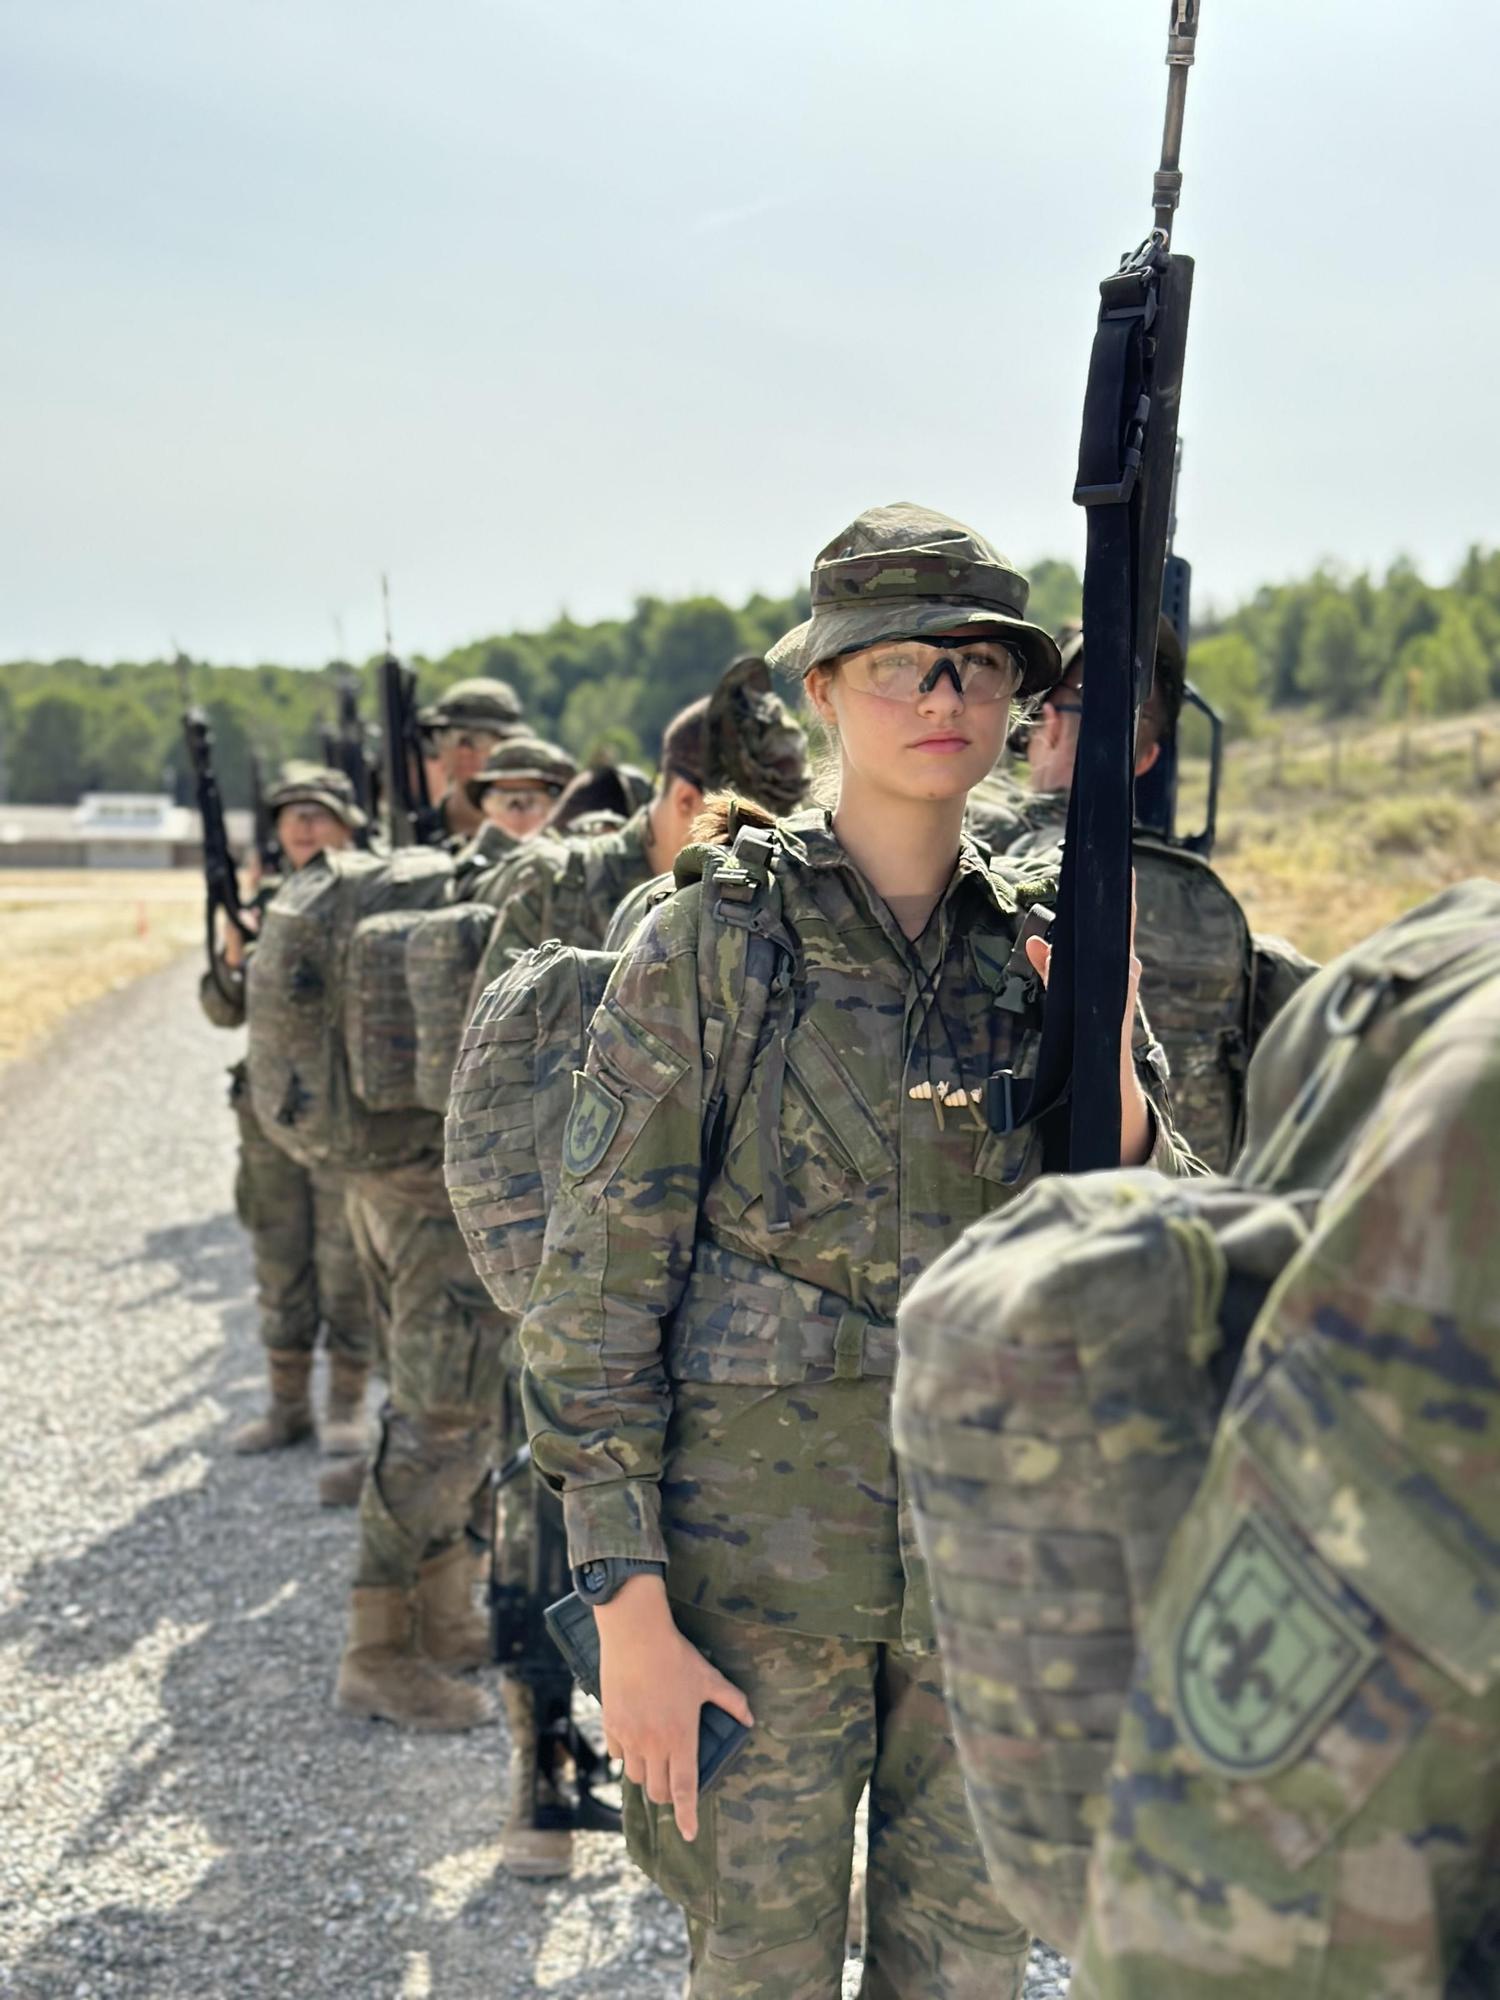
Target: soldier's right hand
(654, 1683)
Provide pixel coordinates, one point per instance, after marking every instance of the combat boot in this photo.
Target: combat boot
(342, 1431)
(341, 1482)
(384, 1676)
(450, 1629)
(288, 1419)
(527, 1849)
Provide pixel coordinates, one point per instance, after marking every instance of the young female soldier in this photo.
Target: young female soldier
(709, 1346)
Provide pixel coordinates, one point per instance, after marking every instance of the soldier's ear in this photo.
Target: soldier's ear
(816, 683)
(1146, 758)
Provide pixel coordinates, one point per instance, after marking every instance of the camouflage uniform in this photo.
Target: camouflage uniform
(563, 889)
(708, 1376)
(306, 1272)
(1306, 1793)
(1211, 988)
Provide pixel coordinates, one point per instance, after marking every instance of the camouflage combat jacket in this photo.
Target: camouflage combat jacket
(710, 1342)
(564, 889)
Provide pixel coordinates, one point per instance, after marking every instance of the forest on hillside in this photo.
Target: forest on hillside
(1330, 644)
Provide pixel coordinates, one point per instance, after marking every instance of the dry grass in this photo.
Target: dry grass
(1325, 857)
(66, 936)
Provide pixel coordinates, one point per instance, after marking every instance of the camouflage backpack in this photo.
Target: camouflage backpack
(332, 1044)
(513, 1086)
(1062, 1374)
(1197, 965)
(443, 952)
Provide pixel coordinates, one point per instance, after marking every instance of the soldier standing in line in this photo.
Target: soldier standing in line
(710, 1341)
(520, 784)
(460, 730)
(306, 1270)
(1210, 987)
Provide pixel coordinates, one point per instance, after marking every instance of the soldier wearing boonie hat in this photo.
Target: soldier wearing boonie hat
(905, 572)
(307, 1275)
(522, 780)
(761, 1156)
(462, 727)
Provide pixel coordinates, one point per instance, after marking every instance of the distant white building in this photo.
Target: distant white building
(110, 830)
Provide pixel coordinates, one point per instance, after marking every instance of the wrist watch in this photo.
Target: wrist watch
(597, 1582)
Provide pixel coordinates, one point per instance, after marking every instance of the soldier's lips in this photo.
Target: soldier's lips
(942, 746)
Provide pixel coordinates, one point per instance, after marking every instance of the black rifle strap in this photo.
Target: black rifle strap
(1076, 1094)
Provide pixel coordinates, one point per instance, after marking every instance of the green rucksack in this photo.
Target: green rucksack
(1323, 1062)
(512, 1087)
(442, 955)
(332, 1038)
(1062, 1374)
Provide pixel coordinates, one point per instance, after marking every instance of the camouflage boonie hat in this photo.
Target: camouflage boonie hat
(901, 572)
(523, 760)
(756, 747)
(475, 704)
(307, 784)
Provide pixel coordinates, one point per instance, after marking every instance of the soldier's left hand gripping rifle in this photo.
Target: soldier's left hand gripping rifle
(1126, 461)
(526, 1575)
(219, 874)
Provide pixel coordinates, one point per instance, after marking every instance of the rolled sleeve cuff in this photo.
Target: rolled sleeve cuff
(619, 1518)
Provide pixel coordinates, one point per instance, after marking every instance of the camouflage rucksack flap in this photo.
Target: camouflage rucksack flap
(508, 1106)
(1062, 1371)
(1326, 1057)
(442, 955)
(304, 1010)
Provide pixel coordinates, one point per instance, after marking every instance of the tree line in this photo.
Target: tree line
(1331, 643)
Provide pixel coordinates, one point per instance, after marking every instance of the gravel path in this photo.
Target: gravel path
(182, 1816)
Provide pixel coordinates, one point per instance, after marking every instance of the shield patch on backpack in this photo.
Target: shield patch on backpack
(592, 1123)
(1267, 1654)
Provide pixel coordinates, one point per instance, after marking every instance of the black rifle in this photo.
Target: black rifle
(568, 1770)
(267, 846)
(1126, 460)
(413, 819)
(346, 749)
(220, 878)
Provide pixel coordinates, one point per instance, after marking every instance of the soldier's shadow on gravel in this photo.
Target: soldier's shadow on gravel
(208, 1256)
(297, 1853)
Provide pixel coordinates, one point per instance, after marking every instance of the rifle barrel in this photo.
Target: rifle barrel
(1182, 49)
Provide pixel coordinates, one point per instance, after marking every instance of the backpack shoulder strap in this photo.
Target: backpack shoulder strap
(746, 962)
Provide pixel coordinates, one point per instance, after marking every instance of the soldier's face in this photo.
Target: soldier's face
(520, 809)
(462, 752)
(935, 744)
(305, 831)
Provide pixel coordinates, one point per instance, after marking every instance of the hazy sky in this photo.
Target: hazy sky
(546, 303)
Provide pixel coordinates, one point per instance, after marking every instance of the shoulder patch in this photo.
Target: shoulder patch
(592, 1122)
(1266, 1655)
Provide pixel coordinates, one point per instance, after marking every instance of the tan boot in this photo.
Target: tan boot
(342, 1431)
(341, 1482)
(450, 1630)
(526, 1849)
(288, 1419)
(383, 1675)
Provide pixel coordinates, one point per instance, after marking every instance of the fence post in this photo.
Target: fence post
(1333, 759)
(1478, 749)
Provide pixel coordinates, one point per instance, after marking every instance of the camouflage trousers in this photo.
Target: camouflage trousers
(765, 1887)
(306, 1270)
(445, 1348)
